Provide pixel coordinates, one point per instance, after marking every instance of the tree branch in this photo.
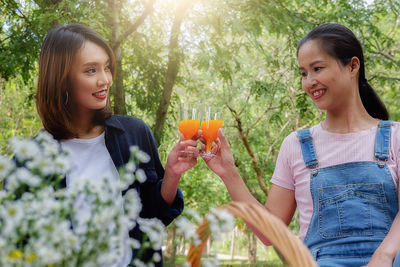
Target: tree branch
(260, 117)
(243, 137)
(276, 139)
(147, 11)
(387, 56)
(384, 77)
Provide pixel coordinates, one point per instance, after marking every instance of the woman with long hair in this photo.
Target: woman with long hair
(341, 174)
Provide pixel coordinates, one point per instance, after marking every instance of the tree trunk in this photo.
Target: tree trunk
(170, 250)
(118, 88)
(172, 69)
(119, 92)
(116, 42)
(283, 260)
(233, 243)
(252, 246)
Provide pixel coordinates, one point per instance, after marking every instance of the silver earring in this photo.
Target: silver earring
(66, 98)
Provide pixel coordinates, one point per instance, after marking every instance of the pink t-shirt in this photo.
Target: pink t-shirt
(331, 149)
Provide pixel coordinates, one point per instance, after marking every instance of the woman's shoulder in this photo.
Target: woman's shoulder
(395, 132)
(396, 125)
(126, 122)
(293, 136)
(126, 119)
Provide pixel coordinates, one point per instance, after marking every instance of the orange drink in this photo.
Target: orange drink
(189, 128)
(210, 131)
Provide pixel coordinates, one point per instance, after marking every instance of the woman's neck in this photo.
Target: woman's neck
(349, 118)
(84, 128)
(348, 122)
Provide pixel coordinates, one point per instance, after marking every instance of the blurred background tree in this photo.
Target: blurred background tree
(238, 55)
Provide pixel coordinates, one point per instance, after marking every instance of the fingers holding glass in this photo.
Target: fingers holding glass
(188, 149)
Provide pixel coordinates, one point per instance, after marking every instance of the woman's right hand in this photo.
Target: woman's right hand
(222, 163)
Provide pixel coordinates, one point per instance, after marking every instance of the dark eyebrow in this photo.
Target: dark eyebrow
(313, 63)
(316, 62)
(94, 63)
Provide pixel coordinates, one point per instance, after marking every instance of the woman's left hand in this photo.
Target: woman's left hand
(183, 156)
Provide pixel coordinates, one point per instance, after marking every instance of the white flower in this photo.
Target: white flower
(3, 243)
(139, 263)
(108, 258)
(51, 148)
(214, 226)
(45, 165)
(6, 165)
(134, 149)
(186, 227)
(12, 184)
(142, 156)
(62, 165)
(44, 137)
(130, 167)
(3, 195)
(220, 221)
(88, 220)
(132, 204)
(154, 229)
(135, 244)
(194, 215)
(24, 149)
(227, 221)
(23, 176)
(126, 179)
(156, 257)
(141, 176)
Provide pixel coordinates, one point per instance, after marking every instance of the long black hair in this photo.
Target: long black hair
(341, 43)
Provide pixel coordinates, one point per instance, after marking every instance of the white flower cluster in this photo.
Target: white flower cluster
(39, 225)
(186, 227)
(220, 221)
(131, 173)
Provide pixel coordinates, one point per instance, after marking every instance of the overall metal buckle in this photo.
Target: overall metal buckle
(382, 163)
(314, 170)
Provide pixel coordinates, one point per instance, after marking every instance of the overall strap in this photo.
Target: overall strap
(307, 148)
(382, 140)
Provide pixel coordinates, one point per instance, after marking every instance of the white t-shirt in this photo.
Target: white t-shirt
(331, 149)
(90, 159)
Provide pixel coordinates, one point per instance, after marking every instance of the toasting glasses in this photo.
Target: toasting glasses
(189, 124)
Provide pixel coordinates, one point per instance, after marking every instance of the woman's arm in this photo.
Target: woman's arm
(280, 202)
(177, 163)
(387, 250)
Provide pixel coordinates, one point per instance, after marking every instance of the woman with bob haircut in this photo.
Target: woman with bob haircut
(76, 71)
(341, 174)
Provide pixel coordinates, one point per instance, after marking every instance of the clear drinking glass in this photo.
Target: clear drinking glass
(211, 123)
(189, 122)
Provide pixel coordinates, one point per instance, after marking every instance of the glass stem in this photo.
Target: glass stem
(208, 146)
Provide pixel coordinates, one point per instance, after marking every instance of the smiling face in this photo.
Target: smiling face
(330, 84)
(90, 79)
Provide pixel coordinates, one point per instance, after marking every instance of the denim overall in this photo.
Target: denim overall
(354, 204)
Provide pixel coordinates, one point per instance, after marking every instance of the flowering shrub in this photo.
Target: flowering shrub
(41, 223)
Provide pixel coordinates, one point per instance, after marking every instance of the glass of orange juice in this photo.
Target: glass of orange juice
(212, 121)
(189, 122)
